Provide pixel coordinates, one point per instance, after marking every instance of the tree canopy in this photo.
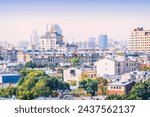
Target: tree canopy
(34, 83)
(75, 61)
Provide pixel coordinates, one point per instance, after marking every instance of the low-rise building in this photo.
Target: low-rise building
(23, 57)
(8, 55)
(8, 80)
(120, 88)
(74, 74)
(115, 66)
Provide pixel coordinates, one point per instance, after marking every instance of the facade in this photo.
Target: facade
(67, 48)
(52, 39)
(74, 74)
(102, 41)
(115, 66)
(61, 58)
(119, 88)
(23, 57)
(8, 55)
(139, 40)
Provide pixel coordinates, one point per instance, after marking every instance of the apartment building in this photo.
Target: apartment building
(115, 66)
(139, 40)
(52, 38)
(8, 55)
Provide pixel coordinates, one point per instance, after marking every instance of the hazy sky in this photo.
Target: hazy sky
(79, 19)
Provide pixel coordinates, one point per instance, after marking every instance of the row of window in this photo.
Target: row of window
(115, 87)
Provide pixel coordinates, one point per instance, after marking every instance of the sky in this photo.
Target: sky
(79, 19)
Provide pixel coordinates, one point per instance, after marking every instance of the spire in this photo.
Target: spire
(46, 27)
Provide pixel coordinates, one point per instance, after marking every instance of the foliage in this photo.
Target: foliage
(72, 82)
(145, 68)
(30, 64)
(78, 92)
(41, 89)
(89, 85)
(120, 54)
(83, 76)
(8, 92)
(75, 61)
(34, 83)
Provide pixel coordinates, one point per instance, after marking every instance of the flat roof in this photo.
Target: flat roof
(119, 83)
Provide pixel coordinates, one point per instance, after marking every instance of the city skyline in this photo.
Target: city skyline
(78, 19)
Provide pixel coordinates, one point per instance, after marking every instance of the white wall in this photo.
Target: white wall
(68, 76)
(105, 66)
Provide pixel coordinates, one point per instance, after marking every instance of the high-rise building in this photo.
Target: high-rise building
(102, 41)
(52, 38)
(34, 38)
(80, 44)
(139, 40)
(91, 43)
(85, 45)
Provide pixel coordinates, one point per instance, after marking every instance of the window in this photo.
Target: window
(72, 72)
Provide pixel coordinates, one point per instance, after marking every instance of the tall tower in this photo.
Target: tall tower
(102, 41)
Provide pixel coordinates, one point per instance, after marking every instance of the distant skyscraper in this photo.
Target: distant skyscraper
(80, 44)
(34, 38)
(85, 45)
(91, 43)
(102, 41)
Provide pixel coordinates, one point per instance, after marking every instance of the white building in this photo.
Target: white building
(115, 66)
(52, 39)
(72, 74)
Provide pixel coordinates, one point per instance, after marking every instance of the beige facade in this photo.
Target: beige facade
(23, 57)
(139, 40)
(116, 66)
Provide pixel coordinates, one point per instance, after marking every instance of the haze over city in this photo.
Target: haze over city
(78, 19)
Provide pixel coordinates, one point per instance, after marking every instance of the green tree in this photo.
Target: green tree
(24, 94)
(8, 92)
(140, 91)
(30, 64)
(34, 83)
(41, 89)
(89, 85)
(75, 61)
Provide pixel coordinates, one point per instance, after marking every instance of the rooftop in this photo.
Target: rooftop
(120, 83)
